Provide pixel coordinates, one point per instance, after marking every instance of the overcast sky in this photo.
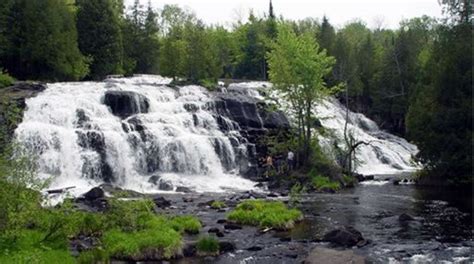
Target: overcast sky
(339, 12)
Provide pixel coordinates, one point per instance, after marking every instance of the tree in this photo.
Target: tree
(297, 71)
(141, 42)
(100, 37)
(46, 50)
(439, 119)
(326, 36)
(201, 62)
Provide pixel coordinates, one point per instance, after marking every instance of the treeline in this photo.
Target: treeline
(414, 80)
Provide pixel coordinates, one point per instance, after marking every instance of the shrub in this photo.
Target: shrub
(265, 214)
(130, 215)
(207, 246)
(324, 183)
(349, 180)
(218, 205)
(5, 79)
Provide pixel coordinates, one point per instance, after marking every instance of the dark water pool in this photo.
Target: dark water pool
(440, 233)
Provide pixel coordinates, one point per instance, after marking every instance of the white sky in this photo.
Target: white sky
(339, 12)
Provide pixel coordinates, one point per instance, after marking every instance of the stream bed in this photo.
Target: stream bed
(440, 231)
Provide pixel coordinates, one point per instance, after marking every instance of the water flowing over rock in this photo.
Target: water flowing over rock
(125, 130)
(125, 103)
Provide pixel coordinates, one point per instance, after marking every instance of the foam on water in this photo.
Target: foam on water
(183, 144)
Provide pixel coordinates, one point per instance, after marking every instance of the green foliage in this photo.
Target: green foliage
(130, 215)
(349, 180)
(100, 36)
(140, 33)
(93, 256)
(297, 71)
(207, 246)
(186, 223)
(46, 50)
(164, 240)
(218, 205)
(296, 192)
(440, 115)
(265, 214)
(5, 79)
(322, 183)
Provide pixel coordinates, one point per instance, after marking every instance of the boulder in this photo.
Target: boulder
(275, 120)
(326, 255)
(405, 218)
(232, 226)
(216, 231)
(183, 189)
(94, 194)
(160, 183)
(346, 237)
(161, 202)
(254, 248)
(126, 103)
(226, 246)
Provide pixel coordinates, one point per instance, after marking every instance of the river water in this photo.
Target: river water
(440, 233)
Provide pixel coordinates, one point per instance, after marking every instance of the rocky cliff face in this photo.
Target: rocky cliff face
(12, 105)
(232, 110)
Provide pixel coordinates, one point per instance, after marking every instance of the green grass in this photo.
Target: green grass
(265, 214)
(207, 246)
(37, 256)
(218, 205)
(164, 242)
(322, 183)
(127, 230)
(186, 223)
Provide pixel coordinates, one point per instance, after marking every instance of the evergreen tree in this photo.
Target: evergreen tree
(46, 50)
(326, 36)
(100, 37)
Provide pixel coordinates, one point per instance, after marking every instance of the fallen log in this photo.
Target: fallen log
(62, 190)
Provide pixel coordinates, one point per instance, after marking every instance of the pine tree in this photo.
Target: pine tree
(46, 50)
(100, 38)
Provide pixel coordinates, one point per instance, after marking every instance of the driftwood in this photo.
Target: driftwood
(62, 190)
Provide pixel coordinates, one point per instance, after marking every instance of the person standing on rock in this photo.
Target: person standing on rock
(291, 160)
(268, 165)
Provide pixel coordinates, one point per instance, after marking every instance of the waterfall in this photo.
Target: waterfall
(385, 153)
(125, 131)
(141, 133)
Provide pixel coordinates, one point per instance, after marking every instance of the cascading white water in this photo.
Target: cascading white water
(385, 153)
(78, 139)
(176, 134)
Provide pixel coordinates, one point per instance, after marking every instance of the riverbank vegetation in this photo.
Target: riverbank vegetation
(265, 214)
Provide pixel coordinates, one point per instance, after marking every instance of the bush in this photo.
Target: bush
(265, 214)
(218, 205)
(5, 79)
(322, 183)
(207, 246)
(130, 215)
(349, 180)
